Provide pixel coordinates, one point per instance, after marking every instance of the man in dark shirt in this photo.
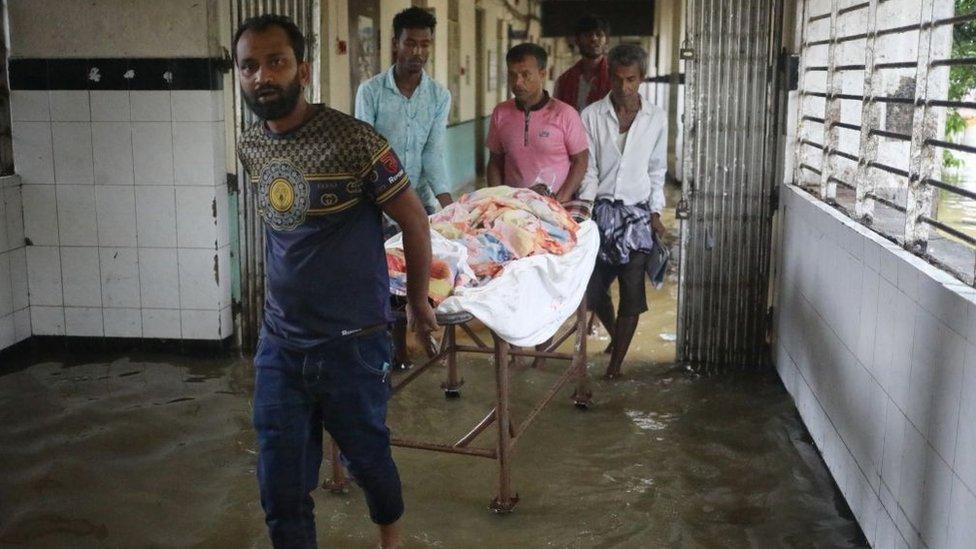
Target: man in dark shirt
(323, 360)
(588, 80)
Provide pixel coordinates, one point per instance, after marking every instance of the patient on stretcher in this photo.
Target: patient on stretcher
(495, 225)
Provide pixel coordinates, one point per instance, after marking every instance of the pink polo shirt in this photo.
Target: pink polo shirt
(538, 151)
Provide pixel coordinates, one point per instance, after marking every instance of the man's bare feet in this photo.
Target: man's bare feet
(390, 536)
(611, 375)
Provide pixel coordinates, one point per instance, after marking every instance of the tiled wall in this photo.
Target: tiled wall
(878, 349)
(125, 212)
(14, 312)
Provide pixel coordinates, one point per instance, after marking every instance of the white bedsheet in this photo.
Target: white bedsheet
(533, 296)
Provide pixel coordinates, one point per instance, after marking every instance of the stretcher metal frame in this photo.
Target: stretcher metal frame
(509, 430)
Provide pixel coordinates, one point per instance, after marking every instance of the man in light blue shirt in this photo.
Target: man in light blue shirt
(410, 109)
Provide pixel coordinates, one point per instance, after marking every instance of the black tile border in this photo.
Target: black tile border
(22, 354)
(183, 73)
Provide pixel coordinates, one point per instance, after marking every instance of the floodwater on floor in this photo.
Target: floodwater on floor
(126, 449)
(135, 450)
(141, 450)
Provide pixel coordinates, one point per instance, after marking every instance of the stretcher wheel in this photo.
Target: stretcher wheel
(503, 507)
(582, 401)
(452, 391)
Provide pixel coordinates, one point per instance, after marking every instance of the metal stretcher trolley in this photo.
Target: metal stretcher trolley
(509, 429)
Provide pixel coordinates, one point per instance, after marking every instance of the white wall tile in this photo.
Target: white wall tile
(112, 145)
(73, 161)
(110, 105)
(123, 322)
(217, 96)
(874, 425)
(940, 295)
(14, 215)
(83, 322)
(152, 149)
(893, 446)
(7, 337)
(161, 323)
(890, 259)
(4, 208)
(22, 324)
(894, 339)
(962, 517)
(47, 320)
(156, 216)
(6, 292)
(965, 456)
(864, 502)
(934, 521)
(963, 321)
(150, 106)
(195, 221)
(226, 322)
(44, 275)
(912, 483)
(908, 275)
(194, 106)
(116, 212)
(198, 284)
(29, 105)
(223, 276)
(200, 324)
(76, 215)
(159, 278)
(872, 255)
(848, 239)
(887, 533)
(219, 153)
(120, 277)
(935, 382)
(867, 324)
(18, 277)
(70, 106)
(80, 277)
(193, 153)
(970, 332)
(787, 370)
(41, 214)
(920, 319)
(33, 152)
(223, 216)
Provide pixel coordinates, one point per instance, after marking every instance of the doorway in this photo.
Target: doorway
(364, 42)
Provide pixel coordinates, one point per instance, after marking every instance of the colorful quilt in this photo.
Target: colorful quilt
(495, 225)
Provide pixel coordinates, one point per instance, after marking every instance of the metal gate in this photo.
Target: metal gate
(729, 166)
(305, 14)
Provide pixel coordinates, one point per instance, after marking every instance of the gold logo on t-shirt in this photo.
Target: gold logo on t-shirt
(281, 194)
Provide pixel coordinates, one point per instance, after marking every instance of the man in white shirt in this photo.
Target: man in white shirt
(628, 140)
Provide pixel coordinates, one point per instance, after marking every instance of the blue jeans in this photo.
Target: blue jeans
(342, 389)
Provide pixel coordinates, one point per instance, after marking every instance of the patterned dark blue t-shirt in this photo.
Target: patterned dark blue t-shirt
(319, 192)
